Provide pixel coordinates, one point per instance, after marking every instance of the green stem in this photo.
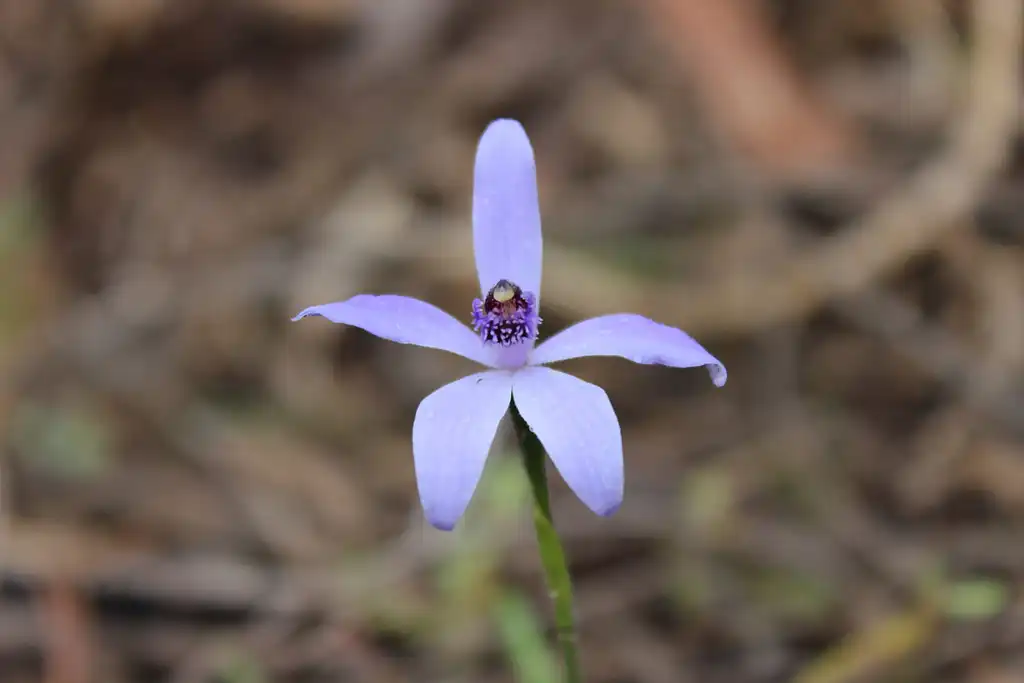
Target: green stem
(552, 555)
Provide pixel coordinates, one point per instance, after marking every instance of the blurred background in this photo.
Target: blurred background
(826, 194)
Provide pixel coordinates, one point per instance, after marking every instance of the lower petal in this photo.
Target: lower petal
(575, 422)
(632, 337)
(451, 436)
(404, 320)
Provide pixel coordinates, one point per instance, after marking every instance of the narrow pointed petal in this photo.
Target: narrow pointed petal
(632, 337)
(451, 436)
(575, 422)
(506, 213)
(406, 321)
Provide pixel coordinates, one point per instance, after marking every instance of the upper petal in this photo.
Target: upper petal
(451, 437)
(506, 213)
(407, 321)
(633, 337)
(575, 422)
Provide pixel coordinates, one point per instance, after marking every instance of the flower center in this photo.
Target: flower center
(506, 316)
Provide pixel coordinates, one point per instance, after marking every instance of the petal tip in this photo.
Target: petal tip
(302, 314)
(718, 374)
(505, 136)
(439, 522)
(610, 509)
(505, 126)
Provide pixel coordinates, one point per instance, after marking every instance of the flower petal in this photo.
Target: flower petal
(633, 337)
(575, 422)
(506, 213)
(407, 321)
(451, 436)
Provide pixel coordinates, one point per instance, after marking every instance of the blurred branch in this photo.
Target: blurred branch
(70, 650)
(866, 652)
(751, 92)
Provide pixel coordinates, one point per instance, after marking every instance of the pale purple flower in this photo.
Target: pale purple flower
(455, 425)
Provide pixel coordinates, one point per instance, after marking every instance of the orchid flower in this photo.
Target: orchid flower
(574, 420)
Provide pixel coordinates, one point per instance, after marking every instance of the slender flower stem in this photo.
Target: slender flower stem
(552, 555)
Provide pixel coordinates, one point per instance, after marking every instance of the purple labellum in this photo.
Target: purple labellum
(506, 316)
